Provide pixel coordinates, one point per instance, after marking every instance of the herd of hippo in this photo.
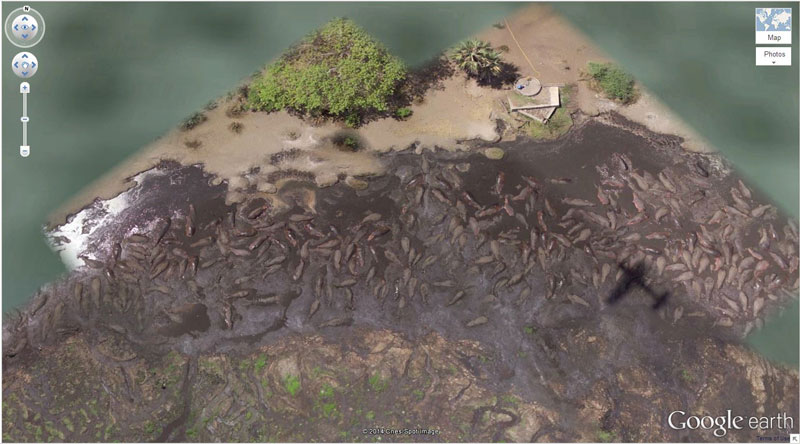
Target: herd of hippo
(606, 227)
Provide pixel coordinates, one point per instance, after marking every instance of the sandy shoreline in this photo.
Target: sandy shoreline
(456, 111)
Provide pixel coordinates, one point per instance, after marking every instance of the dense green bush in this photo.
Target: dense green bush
(613, 81)
(337, 71)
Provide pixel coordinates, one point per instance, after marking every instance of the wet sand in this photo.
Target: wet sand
(524, 267)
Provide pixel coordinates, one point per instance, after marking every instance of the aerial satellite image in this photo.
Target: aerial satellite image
(399, 222)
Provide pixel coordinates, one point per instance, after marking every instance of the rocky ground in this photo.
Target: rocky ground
(577, 290)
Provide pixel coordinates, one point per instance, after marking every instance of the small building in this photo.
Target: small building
(533, 100)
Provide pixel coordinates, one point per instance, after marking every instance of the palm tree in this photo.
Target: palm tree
(477, 59)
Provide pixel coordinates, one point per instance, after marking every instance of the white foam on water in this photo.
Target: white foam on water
(71, 239)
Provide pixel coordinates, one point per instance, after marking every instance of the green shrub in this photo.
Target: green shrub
(351, 142)
(613, 81)
(348, 142)
(403, 113)
(352, 120)
(337, 71)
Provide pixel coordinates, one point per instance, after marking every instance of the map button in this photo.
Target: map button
(774, 26)
(773, 56)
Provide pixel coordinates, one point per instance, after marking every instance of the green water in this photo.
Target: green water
(114, 77)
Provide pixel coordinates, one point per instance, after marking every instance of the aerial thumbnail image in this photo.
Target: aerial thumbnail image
(399, 222)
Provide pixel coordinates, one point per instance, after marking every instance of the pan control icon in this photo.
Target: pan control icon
(24, 65)
(24, 27)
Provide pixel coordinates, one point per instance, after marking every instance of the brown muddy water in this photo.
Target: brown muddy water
(526, 255)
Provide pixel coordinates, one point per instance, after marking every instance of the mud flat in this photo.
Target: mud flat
(580, 289)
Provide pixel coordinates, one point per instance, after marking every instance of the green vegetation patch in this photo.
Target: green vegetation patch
(510, 400)
(292, 384)
(557, 126)
(261, 361)
(613, 81)
(347, 142)
(326, 391)
(326, 403)
(378, 383)
(329, 409)
(337, 71)
(403, 113)
(606, 436)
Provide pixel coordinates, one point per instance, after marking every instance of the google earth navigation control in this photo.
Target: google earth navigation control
(400, 222)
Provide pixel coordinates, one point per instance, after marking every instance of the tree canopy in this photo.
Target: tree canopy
(337, 71)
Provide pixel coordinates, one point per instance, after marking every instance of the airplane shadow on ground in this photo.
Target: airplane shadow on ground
(634, 277)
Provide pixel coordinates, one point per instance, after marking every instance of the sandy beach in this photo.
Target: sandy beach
(456, 111)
